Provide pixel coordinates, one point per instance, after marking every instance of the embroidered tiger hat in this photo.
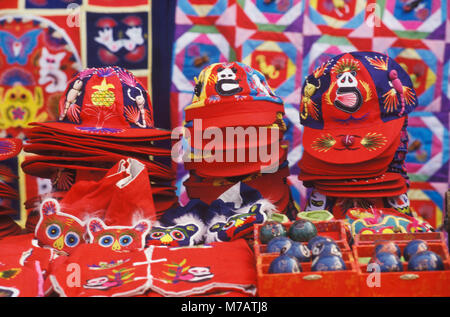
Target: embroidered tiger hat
(233, 94)
(105, 101)
(353, 107)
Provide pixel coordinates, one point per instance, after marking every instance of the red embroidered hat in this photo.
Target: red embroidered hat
(105, 101)
(233, 94)
(353, 107)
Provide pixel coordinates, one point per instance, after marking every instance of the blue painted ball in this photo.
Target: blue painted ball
(425, 261)
(284, 264)
(299, 251)
(302, 230)
(324, 247)
(328, 263)
(388, 246)
(316, 239)
(413, 247)
(387, 262)
(279, 244)
(270, 230)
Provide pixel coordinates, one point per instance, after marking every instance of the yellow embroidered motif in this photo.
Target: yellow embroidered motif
(103, 96)
(345, 65)
(373, 141)
(367, 89)
(307, 106)
(378, 62)
(323, 143)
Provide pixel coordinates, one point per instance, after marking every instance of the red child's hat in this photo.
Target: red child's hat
(233, 94)
(105, 101)
(354, 106)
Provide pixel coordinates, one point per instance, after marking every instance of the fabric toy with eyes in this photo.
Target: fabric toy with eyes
(235, 212)
(240, 223)
(181, 226)
(175, 236)
(57, 229)
(118, 238)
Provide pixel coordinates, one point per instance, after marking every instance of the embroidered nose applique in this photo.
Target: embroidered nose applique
(348, 141)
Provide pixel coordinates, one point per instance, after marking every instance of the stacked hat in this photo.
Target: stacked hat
(106, 116)
(354, 111)
(234, 130)
(9, 148)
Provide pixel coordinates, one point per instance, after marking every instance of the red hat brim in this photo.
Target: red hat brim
(374, 186)
(306, 176)
(326, 144)
(384, 178)
(46, 166)
(104, 132)
(242, 113)
(231, 142)
(9, 147)
(75, 150)
(131, 147)
(311, 165)
(228, 169)
(398, 190)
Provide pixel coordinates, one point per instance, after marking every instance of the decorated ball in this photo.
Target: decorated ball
(387, 262)
(270, 230)
(388, 246)
(313, 241)
(299, 251)
(279, 244)
(425, 261)
(323, 248)
(413, 247)
(284, 264)
(302, 230)
(328, 263)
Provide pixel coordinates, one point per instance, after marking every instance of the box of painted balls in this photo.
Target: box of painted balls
(304, 259)
(406, 265)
